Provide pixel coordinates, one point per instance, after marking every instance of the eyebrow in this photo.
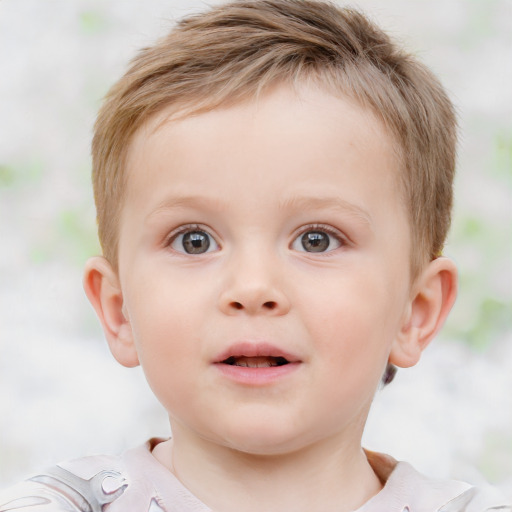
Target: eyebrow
(335, 203)
(299, 203)
(189, 201)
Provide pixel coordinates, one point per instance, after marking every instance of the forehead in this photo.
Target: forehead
(282, 118)
(285, 135)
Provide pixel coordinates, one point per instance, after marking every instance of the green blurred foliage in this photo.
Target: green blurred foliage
(481, 22)
(494, 459)
(74, 226)
(71, 238)
(485, 241)
(92, 22)
(21, 173)
(502, 165)
(7, 176)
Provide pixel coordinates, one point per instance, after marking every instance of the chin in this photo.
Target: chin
(265, 449)
(264, 439)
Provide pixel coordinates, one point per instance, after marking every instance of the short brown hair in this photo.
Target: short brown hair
(235, 50)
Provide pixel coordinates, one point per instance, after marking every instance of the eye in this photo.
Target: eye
(317, 240)
(193, 241)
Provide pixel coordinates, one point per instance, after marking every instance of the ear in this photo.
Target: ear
(103, 289)
(433, 295)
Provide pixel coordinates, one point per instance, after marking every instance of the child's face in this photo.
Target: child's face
(272, 229)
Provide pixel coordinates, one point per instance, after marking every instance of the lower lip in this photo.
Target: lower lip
(257, 376)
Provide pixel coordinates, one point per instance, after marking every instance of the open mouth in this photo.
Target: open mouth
(256, 364)
(256, 361)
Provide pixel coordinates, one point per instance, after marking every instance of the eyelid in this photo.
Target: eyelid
(330, 230)
(187, 228)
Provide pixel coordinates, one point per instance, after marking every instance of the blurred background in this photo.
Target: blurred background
(61, 393)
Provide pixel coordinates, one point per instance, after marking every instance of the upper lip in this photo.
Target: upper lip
(255, 349)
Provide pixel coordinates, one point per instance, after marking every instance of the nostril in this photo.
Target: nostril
(266, 306)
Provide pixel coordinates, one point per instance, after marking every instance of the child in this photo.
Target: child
(273, 184)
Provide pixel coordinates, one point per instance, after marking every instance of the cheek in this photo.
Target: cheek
(356, 317)
(165, 326)
(167, 354)
(161, 303)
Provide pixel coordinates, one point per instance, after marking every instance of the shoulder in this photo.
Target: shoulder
(133, 482)
(407, 490)
(427, 494)
(477, 499)
(82, 485)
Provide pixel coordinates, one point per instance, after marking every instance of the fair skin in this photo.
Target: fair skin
(271, 232)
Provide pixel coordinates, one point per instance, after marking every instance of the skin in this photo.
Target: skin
(254, 178)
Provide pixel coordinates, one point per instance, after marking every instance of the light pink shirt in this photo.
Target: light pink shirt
(137, 482)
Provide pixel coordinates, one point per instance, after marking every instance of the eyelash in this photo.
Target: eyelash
(329, 230)
(187, 228)
(333, 232)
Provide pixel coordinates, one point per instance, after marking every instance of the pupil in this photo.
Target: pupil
(315, 241)
(196, 242)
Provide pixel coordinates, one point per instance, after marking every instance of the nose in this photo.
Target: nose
(253, 286)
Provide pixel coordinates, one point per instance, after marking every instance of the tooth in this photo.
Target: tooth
(257, 362)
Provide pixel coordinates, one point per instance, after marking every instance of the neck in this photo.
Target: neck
(331, 474)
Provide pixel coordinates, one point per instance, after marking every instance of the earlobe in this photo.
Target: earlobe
(433, 296)
(103, 289)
